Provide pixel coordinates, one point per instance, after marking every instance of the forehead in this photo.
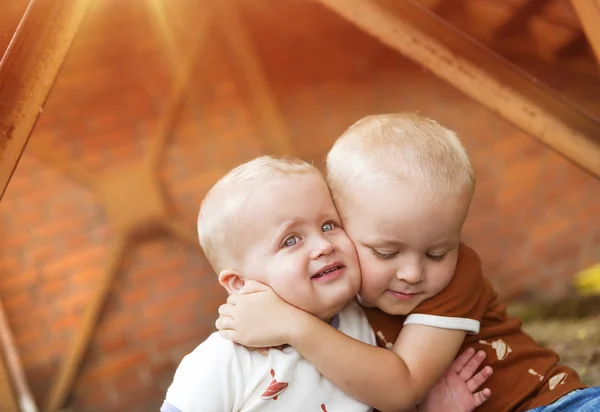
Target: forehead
(291, 197)
(403, 213)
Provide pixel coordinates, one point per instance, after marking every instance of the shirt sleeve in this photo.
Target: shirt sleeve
(462, 303)
(209, 379)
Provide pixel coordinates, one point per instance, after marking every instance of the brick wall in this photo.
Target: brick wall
(532, 220)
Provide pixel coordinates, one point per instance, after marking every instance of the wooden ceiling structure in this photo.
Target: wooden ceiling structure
(424, 31)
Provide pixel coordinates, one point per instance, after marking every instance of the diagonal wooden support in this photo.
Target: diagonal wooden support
(62, 163)
(8, 396)
(231, 27)
(183, 69)
(10, 365)
(479, 73)
(127, 219)
(588, 12)
(61, 386)
(28, 70)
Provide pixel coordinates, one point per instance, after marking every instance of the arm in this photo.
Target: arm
(260, 318)
(417, 361)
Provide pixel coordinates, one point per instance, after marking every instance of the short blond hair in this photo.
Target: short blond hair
(221, 216)
(400, 149)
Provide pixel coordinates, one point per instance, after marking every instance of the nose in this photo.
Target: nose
(322, 247)
(411, 272)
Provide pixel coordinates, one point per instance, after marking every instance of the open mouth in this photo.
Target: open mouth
(329, 273)
(326, 272)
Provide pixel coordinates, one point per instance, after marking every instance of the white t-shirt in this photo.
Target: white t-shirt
(221, 376)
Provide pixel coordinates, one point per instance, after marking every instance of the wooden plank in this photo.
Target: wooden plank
(588, 12)
(231, 27)
(69, 368)
(8, 399)
(174, 101)
(63, 382)
(15, 394)
(28, 70)
(484, 76)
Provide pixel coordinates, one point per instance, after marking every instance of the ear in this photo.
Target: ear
(231, 280)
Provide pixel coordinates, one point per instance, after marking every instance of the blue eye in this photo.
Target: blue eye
(328, 226)
(291, 241)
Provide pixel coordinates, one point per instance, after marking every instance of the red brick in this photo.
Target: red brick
(135, 296)
(74, 303)
(69, 322)
(114, 365)
(78, 259)
(171, 305)
(113, 343)
(18, 282)
(50, 288)
(149, 332)
(16, 301)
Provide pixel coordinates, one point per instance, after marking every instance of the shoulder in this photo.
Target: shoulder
(354, 323)
(209, 377)
(214, 351)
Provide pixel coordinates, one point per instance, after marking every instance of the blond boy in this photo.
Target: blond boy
(273, 221)
(403, 186)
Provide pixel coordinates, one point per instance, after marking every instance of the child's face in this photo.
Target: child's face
(407, 244)
(294, 235)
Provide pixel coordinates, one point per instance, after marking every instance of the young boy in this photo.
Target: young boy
(273, 221)
(403, 186)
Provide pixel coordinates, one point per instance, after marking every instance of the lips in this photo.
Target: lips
(402, 296)
(329, 272)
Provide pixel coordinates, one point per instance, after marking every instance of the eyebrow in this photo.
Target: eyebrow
(447, 242)
(285, 227)
(383, 241)
(380, 241)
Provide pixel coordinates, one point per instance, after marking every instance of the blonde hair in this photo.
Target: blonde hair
(400, 149)
(221, 215)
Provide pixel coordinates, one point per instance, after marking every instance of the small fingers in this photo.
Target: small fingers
(476, 381)
(481, 396)
(224, 323)
(226, 310)
(461, 360)
(228, 334)
(472, 365)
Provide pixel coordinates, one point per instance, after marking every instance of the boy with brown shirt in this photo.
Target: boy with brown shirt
(403, 186)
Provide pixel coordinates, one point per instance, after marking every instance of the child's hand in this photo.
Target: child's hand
(456, 390)
(257, 317)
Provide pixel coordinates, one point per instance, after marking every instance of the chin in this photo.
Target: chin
(398, 310)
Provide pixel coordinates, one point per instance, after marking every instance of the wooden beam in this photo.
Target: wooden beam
(28, 70)
(588, 12)
(15, 394)
(231, 27)
(8, 401)
(65, 376)
(184, 63)
(484, 76)
(69, 368)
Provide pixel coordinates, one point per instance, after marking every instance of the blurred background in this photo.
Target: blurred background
(157, 99)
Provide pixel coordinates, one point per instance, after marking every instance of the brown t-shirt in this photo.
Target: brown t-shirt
(526, 375)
